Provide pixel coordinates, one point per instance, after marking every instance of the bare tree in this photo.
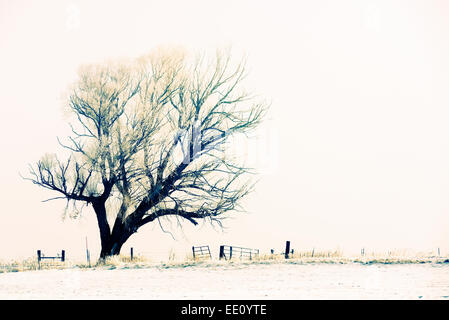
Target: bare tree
(149, 141)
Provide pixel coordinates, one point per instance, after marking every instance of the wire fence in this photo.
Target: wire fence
(229, 252)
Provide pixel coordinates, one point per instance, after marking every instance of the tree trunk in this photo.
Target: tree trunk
(114, 242)
(110, 248)
(111, 242)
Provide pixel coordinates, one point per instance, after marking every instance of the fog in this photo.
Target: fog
(353, 153)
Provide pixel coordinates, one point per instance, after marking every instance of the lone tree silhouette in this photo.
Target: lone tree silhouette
(149, 140)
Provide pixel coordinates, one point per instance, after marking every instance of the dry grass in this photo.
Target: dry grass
(305, 257)
(16, 266)
(31, 264)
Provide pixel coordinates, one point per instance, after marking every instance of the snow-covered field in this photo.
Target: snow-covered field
(253, 281)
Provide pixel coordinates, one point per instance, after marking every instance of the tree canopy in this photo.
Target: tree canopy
(149, 140)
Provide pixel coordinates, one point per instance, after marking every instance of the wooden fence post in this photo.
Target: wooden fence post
(132, 253)
(193, 250)
(221, 254)
(39, 259)
(230, 253)
(287, 249)
(63, 255)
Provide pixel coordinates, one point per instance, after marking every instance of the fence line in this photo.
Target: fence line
(201, 252)
(41, 256)
(227, 252)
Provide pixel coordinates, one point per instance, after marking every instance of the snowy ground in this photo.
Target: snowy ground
(256, 281)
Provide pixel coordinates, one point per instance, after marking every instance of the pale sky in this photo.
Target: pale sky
(354, 152)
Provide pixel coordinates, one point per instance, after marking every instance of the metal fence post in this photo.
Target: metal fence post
(87, 253)
(208, 249)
